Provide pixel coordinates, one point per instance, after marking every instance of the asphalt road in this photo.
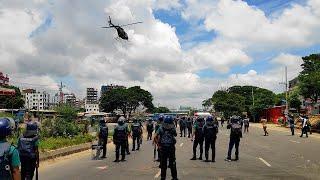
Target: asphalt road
(277, 156)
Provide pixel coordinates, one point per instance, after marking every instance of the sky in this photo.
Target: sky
(182, 53)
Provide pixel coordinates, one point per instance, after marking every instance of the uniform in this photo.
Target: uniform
(235, 135)
(189, 127)
(136, 135)
(166, 139)
(120, 137)
(183, 125)
(210, 131)
(103, 138)
(150, 129)
(198, 138)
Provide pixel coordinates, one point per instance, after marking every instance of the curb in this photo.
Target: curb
(65, 151)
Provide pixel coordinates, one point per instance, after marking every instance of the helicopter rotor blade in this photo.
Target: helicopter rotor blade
(130, 24)
(107, 27)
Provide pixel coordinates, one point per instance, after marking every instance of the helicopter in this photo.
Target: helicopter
(121, 33)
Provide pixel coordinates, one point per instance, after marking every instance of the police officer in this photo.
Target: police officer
(235, 135)
(210, 131)
(189, 126)
(197, 138)
(136, 134)
(103, 138)
(183, 124)
(9, 155)
(158, 125)
(291, 123)
(120, 136)
(128, 127)
(28, 151)
(165, 138)
(150, 128)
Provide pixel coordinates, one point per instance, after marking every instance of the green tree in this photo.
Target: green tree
(67, 112)
(127, 100)
(207, 103)
(161, 109)
(293, 99)
(309, 78)
(14, 102)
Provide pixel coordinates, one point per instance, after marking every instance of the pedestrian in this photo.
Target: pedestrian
(9, 155)
(136, 134)
(165, 138)
(189, 126)
(222, 121)
(264, 126)
(197, 138)
(182, 124)
(210, 131)
(304, 128)
(150, 128)
(128, 127)
(102, 139)
(28, 151)
(246, 124)
(120, 137)
(309, 125)
(158, 125)
(291, 123)
(235, 135)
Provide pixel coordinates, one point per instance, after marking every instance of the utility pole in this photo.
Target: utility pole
(287, 105)
(61, 93)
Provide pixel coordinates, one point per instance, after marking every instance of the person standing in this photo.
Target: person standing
(264, 126)
(291, 123)
(210, 131)
(128, 127)
(304, 128)
(246, 124)
(9, 155)
(235, 135)
(197, 138)
(189, 126)
(28, 151)
(222, 121)
(102, 138)
(182, 124)
(120, 137)
(136, 134)
(150, 128)
(165, 138)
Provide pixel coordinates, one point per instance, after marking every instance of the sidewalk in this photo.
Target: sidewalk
(277, 127)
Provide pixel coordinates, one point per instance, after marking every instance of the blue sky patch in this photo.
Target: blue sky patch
(43, 26)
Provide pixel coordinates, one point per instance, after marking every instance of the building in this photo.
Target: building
(69, 98)
(92, 96)
(37, 100)
(4, 80)
(106, 88)
(92, 108)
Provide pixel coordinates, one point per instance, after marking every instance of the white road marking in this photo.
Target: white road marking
(102, 167)
(181, 144)
(158, 174)
(265, 162)
(295, 141)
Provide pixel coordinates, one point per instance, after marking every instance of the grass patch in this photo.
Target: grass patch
(60, 142)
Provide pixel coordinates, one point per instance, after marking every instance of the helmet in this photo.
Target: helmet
(161, 118)
(5, 128)
(210, 119)
(234, 119)
(102, 122)
(199, 119)
(121, 120)
(32, 129)
(168, 120)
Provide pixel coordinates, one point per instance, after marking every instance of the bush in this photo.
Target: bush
(60, 127)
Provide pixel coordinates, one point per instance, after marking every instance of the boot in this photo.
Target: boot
(117, 160)
(200, 158)
(193, 158)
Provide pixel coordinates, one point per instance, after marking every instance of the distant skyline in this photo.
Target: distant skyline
(183, 52)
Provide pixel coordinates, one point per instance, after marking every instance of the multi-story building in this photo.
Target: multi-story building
(106, 88)
(69, 98)
(37, 100)
(4, 80)
(92, 108)
(92, 96)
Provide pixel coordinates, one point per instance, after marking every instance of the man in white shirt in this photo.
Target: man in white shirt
(304, 128)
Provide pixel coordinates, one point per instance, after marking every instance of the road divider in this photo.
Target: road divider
(265, 162)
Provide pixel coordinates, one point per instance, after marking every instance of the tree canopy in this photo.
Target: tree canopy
(309, 78)
(126, 99)
(161, 109)
(14, 102)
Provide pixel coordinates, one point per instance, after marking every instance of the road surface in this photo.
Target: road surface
(277, 156)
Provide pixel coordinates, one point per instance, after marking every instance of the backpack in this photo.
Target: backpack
(121, 133)
(211, 131)
(27, 147)
(236, 129)
(167, 138)
(136, 130)
(103, 133)
(198, 130)
(5, 158)
(150, 127)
